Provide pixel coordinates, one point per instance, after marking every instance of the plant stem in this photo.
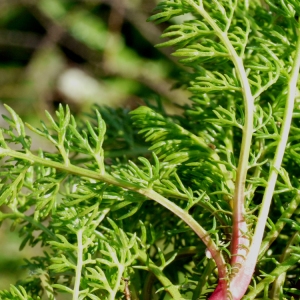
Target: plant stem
(279, 281)
(238, 211)
(284, 133)
(274, 233)
(239, 241)
(202, 283)
(282, 268)
(200, 231)
(76, 290)
(169, 287)
(182, 214)
(240, 283)
(157, 272)
(114, 291)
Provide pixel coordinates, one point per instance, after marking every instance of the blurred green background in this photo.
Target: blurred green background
(82, 52)
(78, 53)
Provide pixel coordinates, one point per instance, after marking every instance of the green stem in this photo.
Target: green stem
(151, 277)
(282, 268)
(274, 233)
(240, 282)
(239, 224)
(202, 283)
(279, 281)
(284, 133)
(76, 290)
(169, 287)
(199, 230)
(114, 292)
(182, 214)
(71, 169)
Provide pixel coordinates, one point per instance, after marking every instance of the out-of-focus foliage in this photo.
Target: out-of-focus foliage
(81, 52)
(78, 52)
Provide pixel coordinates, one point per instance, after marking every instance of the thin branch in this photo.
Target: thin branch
(239, 241)
(245, 273)
(284, 134)
(182, 214)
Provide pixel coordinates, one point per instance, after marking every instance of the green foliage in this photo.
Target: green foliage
(211, 208)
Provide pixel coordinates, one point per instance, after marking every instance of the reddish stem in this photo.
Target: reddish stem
(240, 282)
(220, 293)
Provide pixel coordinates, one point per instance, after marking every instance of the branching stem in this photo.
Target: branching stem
(182, 214)
(284, 133)
(154, 269)
(280, 279)
(274, 233)
(239, 224)
(245, 273)
(282, 268)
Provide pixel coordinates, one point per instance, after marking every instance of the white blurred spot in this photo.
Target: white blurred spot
(79, 86)
(208, 254)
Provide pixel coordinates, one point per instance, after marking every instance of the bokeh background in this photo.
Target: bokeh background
(80, 53)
